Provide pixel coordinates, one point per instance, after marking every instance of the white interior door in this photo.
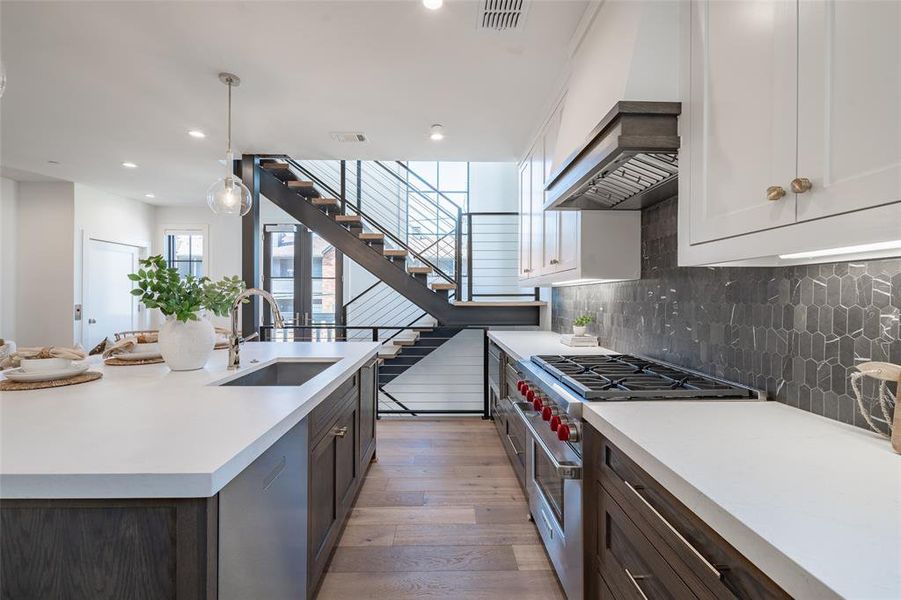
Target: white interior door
(743, 116)
(108, 304)
(849, 98)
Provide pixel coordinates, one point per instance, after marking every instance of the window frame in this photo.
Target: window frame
(194, 230)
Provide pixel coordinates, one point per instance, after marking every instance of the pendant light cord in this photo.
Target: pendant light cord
(229, 128)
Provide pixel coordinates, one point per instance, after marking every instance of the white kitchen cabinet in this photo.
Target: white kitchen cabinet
(525, 219)
(849, 98)
(550, 261)
(537, 210)
(744, 82)
(776, 94)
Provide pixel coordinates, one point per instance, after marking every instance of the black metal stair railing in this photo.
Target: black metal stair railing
(425, 223)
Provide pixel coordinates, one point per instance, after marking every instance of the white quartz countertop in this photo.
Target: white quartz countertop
(814, 503)
(523, 344)
(146, 431)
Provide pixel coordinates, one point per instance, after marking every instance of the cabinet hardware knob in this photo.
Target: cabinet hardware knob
(554, 261)
(800, 185)
(775, 192)
(527, 270)
(340, 432)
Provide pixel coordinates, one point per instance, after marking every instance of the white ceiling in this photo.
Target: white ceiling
(93, 84)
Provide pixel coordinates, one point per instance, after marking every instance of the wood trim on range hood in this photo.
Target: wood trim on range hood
(628, 162)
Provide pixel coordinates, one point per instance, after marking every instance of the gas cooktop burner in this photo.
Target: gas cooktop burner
(622, 376)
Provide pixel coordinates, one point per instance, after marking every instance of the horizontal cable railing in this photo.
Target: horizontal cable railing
(491, 257)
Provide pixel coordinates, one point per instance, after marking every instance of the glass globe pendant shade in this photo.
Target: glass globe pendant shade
(228, 196)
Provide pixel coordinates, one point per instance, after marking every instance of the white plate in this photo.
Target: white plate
(23, 377)
(137, 355)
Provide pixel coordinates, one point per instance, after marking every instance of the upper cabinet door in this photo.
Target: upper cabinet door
(537, 220)
(525, 218)
(743, 69)
(550, 261)
(849, 100)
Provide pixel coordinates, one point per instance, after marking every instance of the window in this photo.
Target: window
(185, 252)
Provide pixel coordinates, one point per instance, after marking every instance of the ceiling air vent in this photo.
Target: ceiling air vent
(348, 137)
(502, 15)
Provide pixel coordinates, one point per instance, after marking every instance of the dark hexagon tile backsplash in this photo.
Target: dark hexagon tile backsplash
(796, 332)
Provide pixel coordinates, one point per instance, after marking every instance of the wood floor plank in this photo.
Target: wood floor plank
(428, 484)
(513, 497)
(531, 558)
(396, 515)
(440, 471)
(502, 514)
(466, 535)
(443, 585)
(396, 559)
(368, 535)
(389, 498)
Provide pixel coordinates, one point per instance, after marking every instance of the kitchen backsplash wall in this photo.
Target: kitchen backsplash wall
(796, 332)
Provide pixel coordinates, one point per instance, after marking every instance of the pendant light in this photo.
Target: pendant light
(228, 196)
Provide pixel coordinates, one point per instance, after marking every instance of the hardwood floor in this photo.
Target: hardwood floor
(440, 515)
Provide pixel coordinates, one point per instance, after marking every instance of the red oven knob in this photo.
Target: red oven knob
(530, 395)
(555, 422)
(548, 412)
(524, 389)
(563, 432)
(519, 385)
(537, 403)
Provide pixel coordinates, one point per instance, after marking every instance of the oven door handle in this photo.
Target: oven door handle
(565, 470)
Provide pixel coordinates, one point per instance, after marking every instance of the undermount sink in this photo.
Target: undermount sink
(283, 373)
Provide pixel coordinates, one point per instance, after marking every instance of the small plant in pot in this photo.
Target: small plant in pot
(580, 324)
(187, 337)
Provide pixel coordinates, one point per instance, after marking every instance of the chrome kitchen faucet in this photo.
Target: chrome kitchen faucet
(234, 339)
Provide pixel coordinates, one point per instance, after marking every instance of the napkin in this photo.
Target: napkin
(42, 352)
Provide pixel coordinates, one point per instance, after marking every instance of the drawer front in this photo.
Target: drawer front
(628, 561)
(326, 413)
(517, 443)
(498, 413)
(707, 563)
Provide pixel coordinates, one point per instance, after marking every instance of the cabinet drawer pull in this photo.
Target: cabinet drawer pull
(716, 573)
(634, 579)
(512, 445)
(340, 432)
(800, 185)
(775, 192)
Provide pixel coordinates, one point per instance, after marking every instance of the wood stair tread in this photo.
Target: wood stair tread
(403, 342)
(389, 350)
(300, 184)
(419, 270)
(348, 218)
(325, 201)
(444, 286)
(371, 236)
(394, 252)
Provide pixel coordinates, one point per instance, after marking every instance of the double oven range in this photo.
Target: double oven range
(547, 400)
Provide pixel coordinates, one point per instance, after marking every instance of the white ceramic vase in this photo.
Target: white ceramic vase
(579, 329)
(187, 346)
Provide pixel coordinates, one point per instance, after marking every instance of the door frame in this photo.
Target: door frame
(303, 275)
(141, 319)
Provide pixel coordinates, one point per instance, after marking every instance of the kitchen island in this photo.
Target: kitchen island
(205, 484)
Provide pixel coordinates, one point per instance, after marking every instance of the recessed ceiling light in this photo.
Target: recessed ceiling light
(149, 195)
(129, 165)
(437, 133)
(433, 4)
(196, 133)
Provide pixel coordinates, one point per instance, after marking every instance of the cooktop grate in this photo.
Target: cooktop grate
(622, 376)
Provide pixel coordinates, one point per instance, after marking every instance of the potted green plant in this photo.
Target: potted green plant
(580, 324)
(187, 336)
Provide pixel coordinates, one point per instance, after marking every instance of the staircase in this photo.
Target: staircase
(409, 347)
(418, 272)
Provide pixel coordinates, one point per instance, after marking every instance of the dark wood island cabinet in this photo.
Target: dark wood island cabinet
(641, 543)
(269, 533)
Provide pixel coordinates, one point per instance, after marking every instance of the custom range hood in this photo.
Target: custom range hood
(628, 162)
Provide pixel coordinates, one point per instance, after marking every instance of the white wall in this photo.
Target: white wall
(493, 187)
(8, 256)
(44, 278)
(629, 52)
(106, 217)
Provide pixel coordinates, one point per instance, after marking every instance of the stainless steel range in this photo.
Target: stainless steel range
(552, 391)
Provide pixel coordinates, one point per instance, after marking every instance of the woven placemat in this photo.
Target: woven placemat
(121, 362)
(15, 386)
